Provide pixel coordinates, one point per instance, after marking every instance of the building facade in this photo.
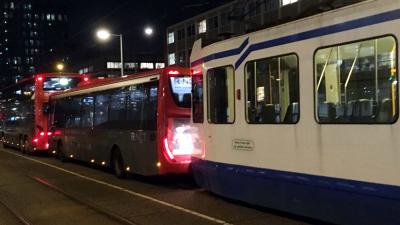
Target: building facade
(32, 33)
(236, 18)
(111, 66)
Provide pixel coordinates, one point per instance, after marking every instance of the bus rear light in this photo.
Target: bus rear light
(182, 139)
(173, 72)
(41, 133)
(86, 79)
(169, 153)
(49, 133)
(196, 72)
(35, 140)
(47, 145)
(57, 132)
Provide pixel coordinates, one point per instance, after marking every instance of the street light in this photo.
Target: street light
(60, 67)
(148, 31)
(104, 35)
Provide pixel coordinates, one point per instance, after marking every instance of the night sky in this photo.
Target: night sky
(128, 17)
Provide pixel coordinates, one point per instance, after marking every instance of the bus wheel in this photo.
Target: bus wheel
(118, 164)
(23, 145)
(60, 153)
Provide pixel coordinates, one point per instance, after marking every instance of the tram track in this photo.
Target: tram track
(102, 211)
(15, 213)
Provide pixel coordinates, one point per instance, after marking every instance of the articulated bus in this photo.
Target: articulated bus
(134, 124)
(23, 109)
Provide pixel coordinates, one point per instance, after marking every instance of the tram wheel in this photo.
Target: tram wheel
(118, 164)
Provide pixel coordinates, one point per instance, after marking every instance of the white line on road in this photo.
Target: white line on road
(125, 190)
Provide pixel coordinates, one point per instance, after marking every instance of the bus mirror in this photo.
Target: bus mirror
(46, 108)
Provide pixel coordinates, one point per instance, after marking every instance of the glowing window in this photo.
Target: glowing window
(171, 59)
(171, 37)
(357, 82)
(146, 66)
(287, 2)
(203, 26)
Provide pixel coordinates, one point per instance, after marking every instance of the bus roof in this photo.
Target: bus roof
(93, 84)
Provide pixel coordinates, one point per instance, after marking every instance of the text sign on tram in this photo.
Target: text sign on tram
(243, 145)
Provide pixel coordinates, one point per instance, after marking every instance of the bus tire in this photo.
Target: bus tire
(60, 152)
(117, 164)
(23, 145)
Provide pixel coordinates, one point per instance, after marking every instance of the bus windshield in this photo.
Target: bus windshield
(60, 83)
(181, 90)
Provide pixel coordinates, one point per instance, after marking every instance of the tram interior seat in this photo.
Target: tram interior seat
(292, 113)
(385, 111)
(326, 111)
(270, 113)
(364, 110)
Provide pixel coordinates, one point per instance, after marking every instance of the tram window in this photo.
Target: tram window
(272, 90)
(101, 109)
(357, 82)
(221, 95)
(197, 98)
(87, 111)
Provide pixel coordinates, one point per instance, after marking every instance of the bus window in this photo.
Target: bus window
(87, 111)
(149, 115)
(221, 95)
(118, 102)
(134, 106)
(181, 90)
(357, 82)
(74, 112)
(272, 90)
(60, 83)
(101, 108)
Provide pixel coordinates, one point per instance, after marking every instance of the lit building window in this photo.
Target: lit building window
(160, 65)
(146, 66)
(131, 65)
(113, 65)
(48, 17)
(171, 38)
(287, 2)
(12, 5)
(203, 26)
(171, 59)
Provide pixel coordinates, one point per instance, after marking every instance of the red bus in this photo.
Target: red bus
(24, 106)
(135, 124)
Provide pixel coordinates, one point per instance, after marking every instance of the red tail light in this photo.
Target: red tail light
(35, 140)
(49, 133)
(41, 133)
(173, 72)
(39, 78)
(182, 140)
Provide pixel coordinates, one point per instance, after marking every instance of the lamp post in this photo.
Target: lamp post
(104, 35)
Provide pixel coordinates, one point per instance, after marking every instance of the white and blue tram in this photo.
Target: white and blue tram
(303, 117)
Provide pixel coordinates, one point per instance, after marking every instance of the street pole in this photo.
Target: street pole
(122, 55)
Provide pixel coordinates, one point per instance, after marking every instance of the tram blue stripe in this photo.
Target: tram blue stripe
(223, 54)
(345, 26)
(337, 200)
(340, 184)
(323, 31)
